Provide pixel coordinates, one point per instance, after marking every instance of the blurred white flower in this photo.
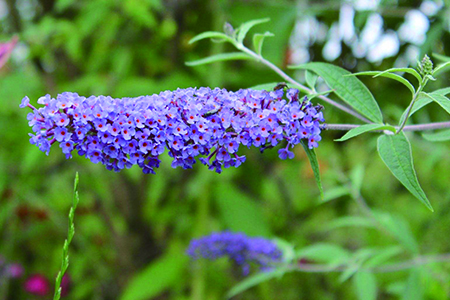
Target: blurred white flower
(415, 27)
(387, 46)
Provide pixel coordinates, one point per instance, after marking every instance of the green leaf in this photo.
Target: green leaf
(406, 70)
(391, 76)
(311, 79)
(440, 136)
(441, 57)
(258, 40)
(314, 165)
(254, 280)
(421, 101)
(399, 229)
(349, 88)
(245, 27)
(443, 91)
(239, 212)
(286, 248)
(158, 276)
(383, 256)
(441, 68)
(219, 57)
(334, 193)
(326, 253)
(266, 86)
(365, 285)
(443, 101)
(395, 151)
(350, 221)
(212, 35)
(414, 286)
(363, 129)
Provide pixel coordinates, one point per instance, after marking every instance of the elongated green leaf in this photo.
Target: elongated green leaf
(245, 27)
(258, 40)
(443, 101)
(156, 277)
(219, 57)
(239, 212)
(314, 165)
(349, 88)
(326, 253)
(406, 70)
(443, 91)
(212, 35)
(334, 193)
(421, 101)
(395, 151)
(383, 256)
(391, 76)
(363, 129)
(365, 285)
(254, 280)
(414, 287)
(441, 57)
(311, 79)
(350, 221)
(440, 136)
(441, 68)
(266, 86)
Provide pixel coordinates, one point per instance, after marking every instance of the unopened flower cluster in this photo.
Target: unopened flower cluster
(243, 250)
(194, 123)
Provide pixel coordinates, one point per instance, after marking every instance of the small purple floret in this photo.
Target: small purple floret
(192, 124)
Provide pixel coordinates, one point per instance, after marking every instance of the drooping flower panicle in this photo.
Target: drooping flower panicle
(196, 122)
(240, 248)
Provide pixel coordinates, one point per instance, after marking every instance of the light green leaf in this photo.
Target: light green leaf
(326, 253)
(239, 212)
(406, 70)
(383, 256)
(156, 277)
(395, 151)
(441, 57)
(399, 229)
(212, 35)
(334, 193)
(391, 76)
(245, 27)
(219, 57)
(421, 101)
(255, 280)
(266, 86)
(440, 136)
(311, 79)
(414, 286)
(441, 68)
(443, 91)
(349, 88)
(314, 165)
(350, 221)
(365, 285)
(363, 129)
(258, 40)
(286, 248)
(443, 101)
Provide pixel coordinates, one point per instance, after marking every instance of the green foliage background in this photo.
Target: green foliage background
(132, 229)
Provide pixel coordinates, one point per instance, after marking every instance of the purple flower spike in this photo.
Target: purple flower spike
(193, 124)
(6, 49)
(37, 285)
(243, 250)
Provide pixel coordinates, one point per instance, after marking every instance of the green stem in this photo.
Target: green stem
(408, 112)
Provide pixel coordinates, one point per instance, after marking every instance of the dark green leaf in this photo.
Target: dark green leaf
(365, 285)
(395, 151)
(254, 280)
(349, 88)
(219, 57)
(258, 40)
(212, 35)
(391, 76)
(245, 27)
(314, 165)
(363, 129)
(440, 136)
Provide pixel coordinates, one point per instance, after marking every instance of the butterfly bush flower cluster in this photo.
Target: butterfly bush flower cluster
(194, 123)
(241, 249)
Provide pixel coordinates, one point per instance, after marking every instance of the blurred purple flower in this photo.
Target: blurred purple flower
(240, 248)
(188, 123)
(65, 285)
(6, 49)
(37, 285)
(15, 270)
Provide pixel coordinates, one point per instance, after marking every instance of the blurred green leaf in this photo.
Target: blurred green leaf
(254, 280)
(258, 40)
(363, 129)
(395, 151)
(414, 286)
(314, 165)
(212, 35)
(158, 276)
(365, 285)
(383, 256)
(348, 88)
(391, 76)
(239, 212)
(266, 86)
(326, 253)
(440, 136)
(245, 27)
(441, 68)
(350, 221)
(219, 57)
(334, 193)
